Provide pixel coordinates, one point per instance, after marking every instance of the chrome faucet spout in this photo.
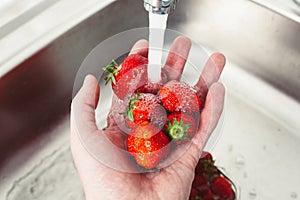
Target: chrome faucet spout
(160, 6)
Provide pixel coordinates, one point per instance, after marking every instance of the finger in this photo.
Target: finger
(83, 112)
(211, 113)
(211, 73)
(177, 58)
(140, 47)
(208, 121)
(83, 119)
(103, 146)
(84, 105)
(111, 115)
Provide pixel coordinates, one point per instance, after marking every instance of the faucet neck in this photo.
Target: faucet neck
(160, 6)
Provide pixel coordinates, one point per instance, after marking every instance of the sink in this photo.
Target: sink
(260, 137)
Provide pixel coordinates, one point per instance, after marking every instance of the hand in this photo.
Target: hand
(172, 182)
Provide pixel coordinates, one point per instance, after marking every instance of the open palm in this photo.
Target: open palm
(172, 182)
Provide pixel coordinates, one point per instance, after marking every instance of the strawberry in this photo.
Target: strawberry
(179, 96)
(209, 182)
(221, 187)
(202, 193)
(199, 180)
(148, 145)
(206, 161)
(206, 156)
(181, 127)
(208, 196)
(145, 107)
(206, 166)
(129, 77)
(193, 194)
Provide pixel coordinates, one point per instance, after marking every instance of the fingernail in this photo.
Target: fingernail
(87, 79)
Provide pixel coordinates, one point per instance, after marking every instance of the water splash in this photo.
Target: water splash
(252, 193)
(230, 148)
(294, 195)
(240, 161)
(157, 27)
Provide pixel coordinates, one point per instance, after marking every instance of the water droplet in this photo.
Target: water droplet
(230, 148)
(32, 190)
(252, 193)
(240, 161)
(36, 187)
(148, 145)
(70, 196)
(264, 147)
(141, 156)
(294, 195)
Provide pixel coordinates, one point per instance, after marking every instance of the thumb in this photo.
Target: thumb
(84, 132)
(84, 105)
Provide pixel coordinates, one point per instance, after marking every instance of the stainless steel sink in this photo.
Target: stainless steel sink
(260, 137)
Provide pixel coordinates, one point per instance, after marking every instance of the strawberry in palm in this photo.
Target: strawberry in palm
(179, 96)
(145, 107)
(132, 77)
(128, 78)
(181, 127)
(148, 145)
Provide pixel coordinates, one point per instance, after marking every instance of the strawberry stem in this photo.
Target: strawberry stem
(133, 100)
(112, 69)
(177, 130)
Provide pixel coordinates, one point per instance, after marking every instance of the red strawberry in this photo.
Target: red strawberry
(208, 196)
(193, 194)
(145, 107)
(128, 78)
(179, 96)
(148, 145)
(222, 187)
(210, 182)
(207, 167)
(181, 127)
(199, 180)
(206, 156)
(203, 190)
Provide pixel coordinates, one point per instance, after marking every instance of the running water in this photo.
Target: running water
(157, 27)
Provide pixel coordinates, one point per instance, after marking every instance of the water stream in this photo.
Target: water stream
(157, 27)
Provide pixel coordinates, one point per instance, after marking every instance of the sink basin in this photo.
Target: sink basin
(260, 138)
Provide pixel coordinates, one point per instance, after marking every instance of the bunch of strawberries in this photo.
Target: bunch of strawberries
(156, 114)
(160, 114)
(210, 183)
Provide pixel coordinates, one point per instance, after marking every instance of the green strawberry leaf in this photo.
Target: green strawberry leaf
(130, 115)
(112, 69)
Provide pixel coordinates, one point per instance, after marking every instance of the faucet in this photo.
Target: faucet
(160, 6)
(297, 2)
